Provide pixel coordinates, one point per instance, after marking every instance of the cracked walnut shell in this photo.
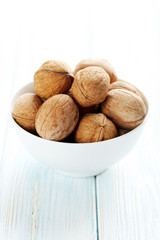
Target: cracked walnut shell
(124, 107)
(97, 62)
(57, 117)
(90, 86)
(25, 110)
(94, 128)
(53, 77)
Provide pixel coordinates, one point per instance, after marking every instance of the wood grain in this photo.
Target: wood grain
(128, 194)
(36, 203)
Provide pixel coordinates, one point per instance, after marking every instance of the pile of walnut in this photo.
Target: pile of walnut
(88, 105)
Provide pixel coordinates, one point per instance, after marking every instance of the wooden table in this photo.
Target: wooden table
(123, 203)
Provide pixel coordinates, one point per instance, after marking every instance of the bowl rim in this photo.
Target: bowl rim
(13, 98)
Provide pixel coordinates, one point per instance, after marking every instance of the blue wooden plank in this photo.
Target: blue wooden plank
(36, 203)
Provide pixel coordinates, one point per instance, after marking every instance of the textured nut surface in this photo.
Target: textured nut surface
(85, 110)
(123, 85)
(94, 128)
(25, 110)
(53, 77)
(90, 86)
(124, 107)
(57, 117)
(99, 62)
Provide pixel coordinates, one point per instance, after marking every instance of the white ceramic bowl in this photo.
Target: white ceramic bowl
(76, 159)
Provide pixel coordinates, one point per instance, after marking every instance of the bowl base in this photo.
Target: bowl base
(80, 174)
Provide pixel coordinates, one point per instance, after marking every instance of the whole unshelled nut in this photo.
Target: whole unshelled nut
(94, 128)
(121, 84)
(99, 62)
(124, 107)
(53, 77)
(90, 86)
(25, 109)
(57, 117)
(85, 110)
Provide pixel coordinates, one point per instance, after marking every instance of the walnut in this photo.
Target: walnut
(82, 111)
(57, 117)
(124, 107)
(104, 105)
(99, 62)
(121, 84)
(90, 86)
(85, 110)
(53, 77)
(94, 128)
(25, 109)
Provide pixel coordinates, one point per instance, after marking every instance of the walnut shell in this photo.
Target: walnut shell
(94, 128)
(124, 107)
(57, 117)
(121, 84)
(85, 110)
(53, 77)
(25, 110)
(90, 86)
(99, 62)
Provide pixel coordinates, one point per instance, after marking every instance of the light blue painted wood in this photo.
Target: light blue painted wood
(36, 203)
(128, 194)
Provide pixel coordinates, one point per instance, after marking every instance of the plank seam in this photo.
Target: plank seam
(96, 206)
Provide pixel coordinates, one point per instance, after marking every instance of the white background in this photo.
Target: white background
(127, 33)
